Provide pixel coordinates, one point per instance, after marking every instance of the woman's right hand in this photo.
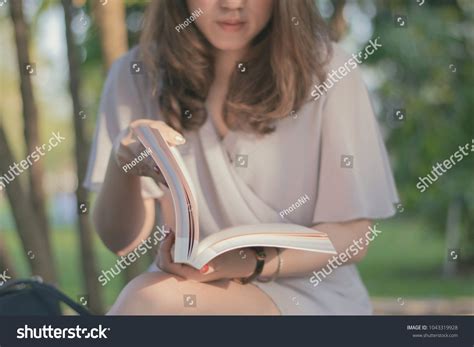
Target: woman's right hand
(127, 148)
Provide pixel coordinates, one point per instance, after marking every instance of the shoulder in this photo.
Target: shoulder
(343, 76)
(339, 55)
(128, 66)
(128, 93)
(126, 59)
(128, 75)
(344, 68)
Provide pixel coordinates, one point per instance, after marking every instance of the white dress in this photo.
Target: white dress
(244, 180)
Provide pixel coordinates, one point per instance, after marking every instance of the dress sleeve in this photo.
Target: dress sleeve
(355, 179)
(121, 102)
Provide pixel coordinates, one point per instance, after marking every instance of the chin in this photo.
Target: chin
(228, 41)
(229, 46)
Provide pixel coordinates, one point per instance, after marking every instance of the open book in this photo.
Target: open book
(189, 248)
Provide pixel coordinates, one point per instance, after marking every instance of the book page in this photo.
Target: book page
(281, 235)
(172, 167)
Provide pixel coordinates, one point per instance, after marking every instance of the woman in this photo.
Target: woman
(229, 84)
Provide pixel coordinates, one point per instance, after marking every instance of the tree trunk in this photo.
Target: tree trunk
(453, 236)
(81, 151)
(34, 244)
(113, 36)
(5, 260)
(30, 120)
(338, 24)
(113, 31)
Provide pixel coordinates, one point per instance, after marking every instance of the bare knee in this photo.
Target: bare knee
(151, 293)
(166, 294)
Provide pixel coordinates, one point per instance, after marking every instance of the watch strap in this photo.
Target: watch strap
(260, 255)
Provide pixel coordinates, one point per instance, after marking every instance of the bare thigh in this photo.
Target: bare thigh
(156, 293)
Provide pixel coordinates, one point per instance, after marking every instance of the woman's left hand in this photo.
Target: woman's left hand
(233, 264)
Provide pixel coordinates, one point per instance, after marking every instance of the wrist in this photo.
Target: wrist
(119, 147)
(256, 263)
(271, 263)
(250, 262)
(118, 171)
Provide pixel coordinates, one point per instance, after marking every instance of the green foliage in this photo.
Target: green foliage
(418, 63)
(388, 270)
(415, 63)
(407, 261)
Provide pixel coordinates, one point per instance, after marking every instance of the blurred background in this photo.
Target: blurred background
(53, 63)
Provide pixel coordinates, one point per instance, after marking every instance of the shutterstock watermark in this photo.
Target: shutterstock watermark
(133, 256)
(344, 70)
(48, 332)
(341, 258)
(16, 169)
(425, 182)
(301, 201)
(4, 277)
(134, 162)
(189, 20)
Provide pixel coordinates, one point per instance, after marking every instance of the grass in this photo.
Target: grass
(67, 262)
(405, 260)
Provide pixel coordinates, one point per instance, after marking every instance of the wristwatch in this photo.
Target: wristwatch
(260, 255)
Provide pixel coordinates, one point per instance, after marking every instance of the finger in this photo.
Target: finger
(179, 269)
(165, 247)
(170, 135)
(207, 269)
(146, 167)
(165, 262)
(152, 170)
(158, 176)
(189, 272)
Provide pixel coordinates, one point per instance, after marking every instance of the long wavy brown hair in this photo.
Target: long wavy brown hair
(286, 58)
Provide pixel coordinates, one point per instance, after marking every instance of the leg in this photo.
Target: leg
(156, 293)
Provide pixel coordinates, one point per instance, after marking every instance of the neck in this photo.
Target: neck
(225, 64)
